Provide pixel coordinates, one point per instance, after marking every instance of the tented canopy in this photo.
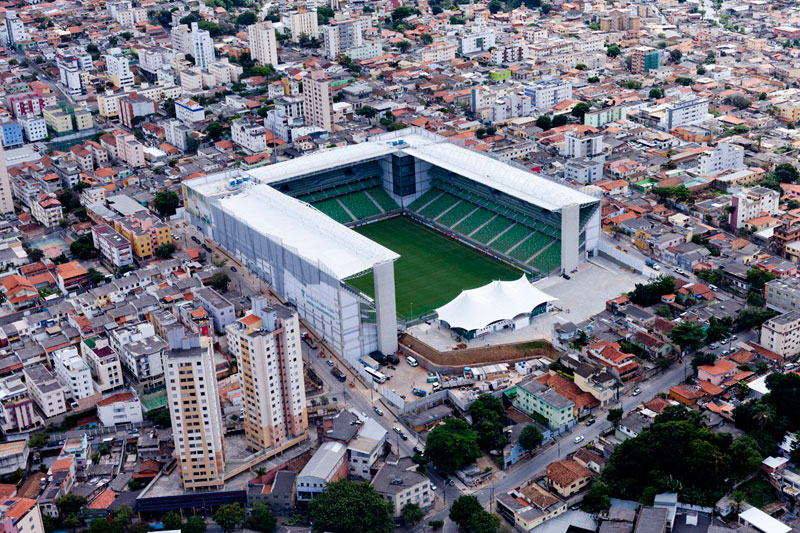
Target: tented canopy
(499, 300)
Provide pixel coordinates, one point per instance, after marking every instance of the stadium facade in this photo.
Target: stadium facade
(290, 223)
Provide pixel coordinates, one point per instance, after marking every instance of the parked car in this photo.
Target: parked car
(578, 439)
(329, 363)
(636, 392)
(233, 269)
(590, 421)
(378, 410)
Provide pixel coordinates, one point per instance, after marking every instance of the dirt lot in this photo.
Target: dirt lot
(504, 353)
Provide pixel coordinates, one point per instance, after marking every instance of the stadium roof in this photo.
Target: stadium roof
(438, 151)
(499, 300)
(313, 234)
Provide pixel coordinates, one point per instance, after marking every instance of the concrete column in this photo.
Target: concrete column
(570, 231)
(385, 306)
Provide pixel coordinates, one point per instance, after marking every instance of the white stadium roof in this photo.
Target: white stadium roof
(313, 234)
(499, 300)
(435, 150)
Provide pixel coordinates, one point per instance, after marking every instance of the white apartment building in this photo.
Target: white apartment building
(73, 373)
(177, 134)
(724, 156)
(342, 35)
(182, 39)
(439, 51)
(45, 390)
(547, 94)
(35, 128)
(303, 22)
(399, 482)
(141, 352)
(263, 45)
(250, 135)
(584, 144)
(72, 68)
(120, 408)
(15, 29)
(202, 46)
(782, 334)
(6, 194)
(267, 347)
(188, 111)
(366, 448)
(685, 113)
(196, 415)
(225, 72)
(751, 203)
(108, 103)
(479, 39)
(114, 248)
(151, 60)
(118, 68)
(104, 363)
(47, 210)
(318, 101)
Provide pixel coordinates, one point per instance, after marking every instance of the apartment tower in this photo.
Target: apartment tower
(263, 45)
(266, 344)
(196, 415)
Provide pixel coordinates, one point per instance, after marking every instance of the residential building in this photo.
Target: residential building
(189, 112)
(57, 120)
(83, 118)
(724, 156)
(533, 397)
(13, 456)
(11, 134)
(747, 204)
(47, 210)
(586, 144)
(318, 101)
(782, 334)
(439, 51)
(342, 35)
(623, 365)
(547, 94)
(601, 117)
(303, 22)
(644, 59)
(685, 113)
(114, 249)
(249, 134)
(263, 44)
(45, 390)
(145, 233)
(130, 150)
(17, 412)
(267, 347)
(15, 29)
(73, 373)
(479, 39)
(132, 106)
(328, 464)
(73, 69)
(399, 483)
(222, 311)
(34, 127)
(120, 408)
(177, 134)
(26, 104)
(141, 352)
(202, 47)
(104, 363)
(118, 68)
(583, 170)
(6, 195)
(20, 515)
(196, 415)
(568, 477)
(529, 506)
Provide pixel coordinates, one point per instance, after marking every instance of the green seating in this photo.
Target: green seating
(382, 197)
(360, 205)
(333, 209)
(511, 237)
(458, 212)
(429, 195)
(438, 206)
(492, 229)
(537, 241)
(549, 260)
(474, 221)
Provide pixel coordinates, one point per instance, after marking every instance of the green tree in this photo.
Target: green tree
(261, 519)
(71, 522)
(753, 317)
(702, 359)
(463, 509)
(683, 81)
(614, 416)
(651, 293)
(655, 92)
(38, 441)
(675, 55)
(195, 524)
(598, 498)
(613, 51)
(738, 101)
(165, 251)
(219, 281)
(347, 506)
(688, 336)
(248, 18)
(488, 418)
(70, 504)
(172, 521)
(495, 6)
(786, 173)
(452, 445)
(718, 329)
(229, 517)
(593, 79)
(215, 130)
(580, 110)
(559, 120)
(745, 457)
(412, 513)
(404, 46)
(95, 277)
(436, 524)
(166, 203)
(530, 437)
(35, 255)
(83, 247)
(426, 38)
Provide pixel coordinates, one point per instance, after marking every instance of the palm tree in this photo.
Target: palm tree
(261, 471)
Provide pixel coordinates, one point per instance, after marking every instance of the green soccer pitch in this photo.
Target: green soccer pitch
(432, 269)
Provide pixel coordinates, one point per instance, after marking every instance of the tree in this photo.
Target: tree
(738, 101)
(436, 524)
(404, 46)
(229, 517)
(426, 38)
(488, 421)
(261, 519)
(195, 524)
(581, 66)
(598, 498)
(688, 336)
(412, 513)
(530, 437)
(701, 70)
(71, 521)
(546, 8)
(593, 79)
(651, 293)
(745, 457)
(35, 255)
(580, 110)
(39, 440)
(219, 281)
(347, 506)
(215, 131)
(613, 51)
(95, 277)
(495, 6)
(786, 173)
(70, 504)
(368, 112)
(753, 318)
(559, 120)
(702, 359)
(452, 445)
(166, 203)
(248, 18)
(544, 122)
(464, 508)
(165, 251)
(83, 247)
(614, 416)
(172, 521)
(683, 81)
(324, 14)
(190, 58)
(675, 55)
(655, 92)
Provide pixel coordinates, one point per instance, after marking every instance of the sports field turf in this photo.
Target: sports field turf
(432, 269)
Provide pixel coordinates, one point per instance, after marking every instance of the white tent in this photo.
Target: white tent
(499, 300)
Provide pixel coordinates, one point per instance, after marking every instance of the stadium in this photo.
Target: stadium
(364, 236)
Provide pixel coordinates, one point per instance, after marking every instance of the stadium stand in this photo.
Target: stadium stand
(474, 221)
(492, 229)
(334, 209)
(533, 244)
(438, 206)
(548, 259)
(384, 200)
(458, 211)
(429, 196)
(511, 237)
(360, 205)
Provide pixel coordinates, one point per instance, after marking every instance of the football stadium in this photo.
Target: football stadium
(364, 237)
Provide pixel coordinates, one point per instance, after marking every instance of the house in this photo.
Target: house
(631, 425)
(278, 495)
(398, 482)
(716, 373)
(19, 292)
(542, 402)
(623, 365)
(71, 276)
(568, 477)
(529, 506)
(120, 408)
(328, 464)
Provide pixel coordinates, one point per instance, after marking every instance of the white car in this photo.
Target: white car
(636, 392)
(433, 487)
(578, 439)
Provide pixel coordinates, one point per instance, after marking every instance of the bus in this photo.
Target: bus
(377, 376)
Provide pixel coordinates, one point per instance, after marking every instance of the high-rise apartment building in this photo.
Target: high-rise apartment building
(303, 22)
(318, 101)
(119, 69)
(15, 29)
(203, 46)
(342, 35)
(263, 45)
(266, 344)
(644, 59)
(6, 197)
(196, 415)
